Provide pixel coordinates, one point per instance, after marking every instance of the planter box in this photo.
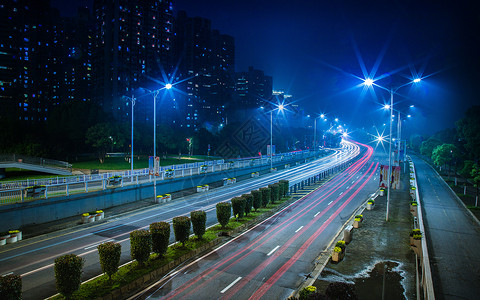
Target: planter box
(34, 192)
(382, 193)
(12, 239)
(91, 218)
(370, 206)
(84, 219)
(112, 181)
(3, 241)
(357, 224)
(199, 189)
(338, 256)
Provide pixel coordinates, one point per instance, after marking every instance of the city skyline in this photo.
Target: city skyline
(316, 51)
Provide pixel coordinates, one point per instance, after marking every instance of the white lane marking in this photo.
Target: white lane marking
(300, 228)
(341, 193)
(274, 249)
(329, 203)
(316, 214)
(231, 284)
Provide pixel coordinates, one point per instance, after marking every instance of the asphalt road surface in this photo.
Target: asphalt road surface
(453, 237)
(33, 258)
(270, 260)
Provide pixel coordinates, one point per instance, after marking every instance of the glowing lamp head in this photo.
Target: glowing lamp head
(322, 116)
(281, 107)
(386, 106)
(368, 82)
(417, 80)
(168, 86)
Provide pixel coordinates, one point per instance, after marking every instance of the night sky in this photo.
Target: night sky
(318, 51)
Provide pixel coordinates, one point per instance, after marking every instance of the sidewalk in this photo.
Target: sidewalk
(378, 246)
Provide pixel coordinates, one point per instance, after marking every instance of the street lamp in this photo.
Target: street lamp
(155, 94)
(280, 107)
(132, 99)
(369, 82)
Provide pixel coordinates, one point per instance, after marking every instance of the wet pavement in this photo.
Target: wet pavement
(378, 260)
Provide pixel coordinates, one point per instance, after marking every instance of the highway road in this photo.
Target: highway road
(453, 237)
(270, 260)
(33, 258)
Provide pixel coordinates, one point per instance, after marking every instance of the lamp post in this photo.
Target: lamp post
(132, 100)
(155, 94)
(279, 107)
(392, 91)
(131, 142)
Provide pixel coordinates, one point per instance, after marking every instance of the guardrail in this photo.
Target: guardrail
(53, 187)
(426, 281)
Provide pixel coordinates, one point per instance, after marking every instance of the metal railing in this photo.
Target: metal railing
(16, 191)
(425, 281)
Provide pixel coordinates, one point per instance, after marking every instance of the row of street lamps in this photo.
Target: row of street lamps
(370, 82)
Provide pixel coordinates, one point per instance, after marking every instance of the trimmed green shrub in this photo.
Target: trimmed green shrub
(160, 237)
(11, 287)
(285, 184)
(140, 245)
(68, 273)
(306, 292)
(238, 205)
(266, 196)
(257, 199)
(109, 254)
(248, 203)
(181, 228)
(275, 192)
(199, 221)
(224, 212)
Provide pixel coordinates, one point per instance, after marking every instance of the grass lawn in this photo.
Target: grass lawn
(119, 163)
(21, 174)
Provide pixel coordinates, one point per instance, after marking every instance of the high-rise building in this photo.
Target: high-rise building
(254, 88)
(206, 68)
(133, 45)
(29, 65)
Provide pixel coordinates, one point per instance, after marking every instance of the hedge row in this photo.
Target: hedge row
(68, 268)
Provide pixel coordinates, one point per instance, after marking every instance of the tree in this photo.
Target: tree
(428, 146)
(238, 205)
(257, 199)
(140, 245)
(68, 274)
(248, 203)
(109, 254)
(160, 237)
(11, 287)
(199, 220)
(181, 228)
(468, 129)
(99, 137)
(476, 180)
(444, 154)
(224, 212)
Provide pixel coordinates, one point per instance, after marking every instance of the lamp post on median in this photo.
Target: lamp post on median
(155, 94)
(369, 82)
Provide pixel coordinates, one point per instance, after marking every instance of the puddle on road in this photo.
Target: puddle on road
(384, 277)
